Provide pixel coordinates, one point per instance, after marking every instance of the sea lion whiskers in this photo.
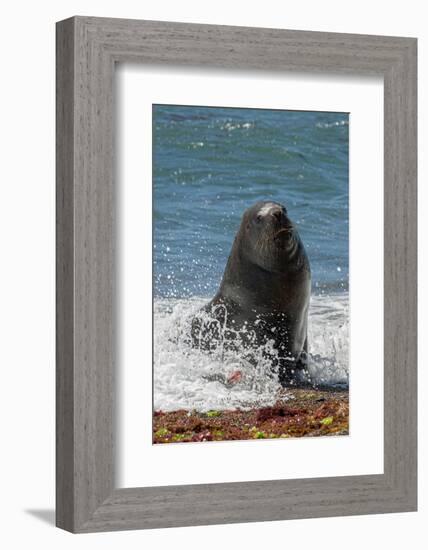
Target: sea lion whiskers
(283, 230)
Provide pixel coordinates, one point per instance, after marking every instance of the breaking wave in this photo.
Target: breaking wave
(188, 378)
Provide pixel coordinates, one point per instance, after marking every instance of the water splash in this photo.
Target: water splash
(329, 340)
(188, 378)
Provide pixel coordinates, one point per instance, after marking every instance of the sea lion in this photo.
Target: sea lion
(264, 294)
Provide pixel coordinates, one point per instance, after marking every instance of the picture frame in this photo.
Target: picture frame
(87, 50)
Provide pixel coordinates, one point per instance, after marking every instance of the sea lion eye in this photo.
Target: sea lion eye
(258, 218)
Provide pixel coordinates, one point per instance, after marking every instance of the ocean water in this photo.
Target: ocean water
(209, 165)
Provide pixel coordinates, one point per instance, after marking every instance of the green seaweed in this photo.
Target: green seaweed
(161, 432)
(213, 414)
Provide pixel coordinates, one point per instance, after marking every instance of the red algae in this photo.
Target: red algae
(313, 413)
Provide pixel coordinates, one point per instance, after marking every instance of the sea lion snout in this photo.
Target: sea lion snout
(271, 226)
(269, 210)
(282, 225)
(282, 222)
(277, 214)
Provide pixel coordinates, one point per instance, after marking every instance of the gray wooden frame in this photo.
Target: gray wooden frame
(87, 50)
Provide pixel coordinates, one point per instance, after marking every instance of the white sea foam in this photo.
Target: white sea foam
(187, 378)
(332, 124)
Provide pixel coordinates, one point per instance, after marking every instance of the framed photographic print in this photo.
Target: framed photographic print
(236, 274)
(235, 308)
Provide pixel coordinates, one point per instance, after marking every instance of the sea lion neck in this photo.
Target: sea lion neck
(242, 272)
(271, 261)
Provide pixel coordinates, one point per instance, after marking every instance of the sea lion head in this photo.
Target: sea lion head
(270, 237)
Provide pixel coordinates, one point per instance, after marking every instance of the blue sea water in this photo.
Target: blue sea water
(209, 165)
